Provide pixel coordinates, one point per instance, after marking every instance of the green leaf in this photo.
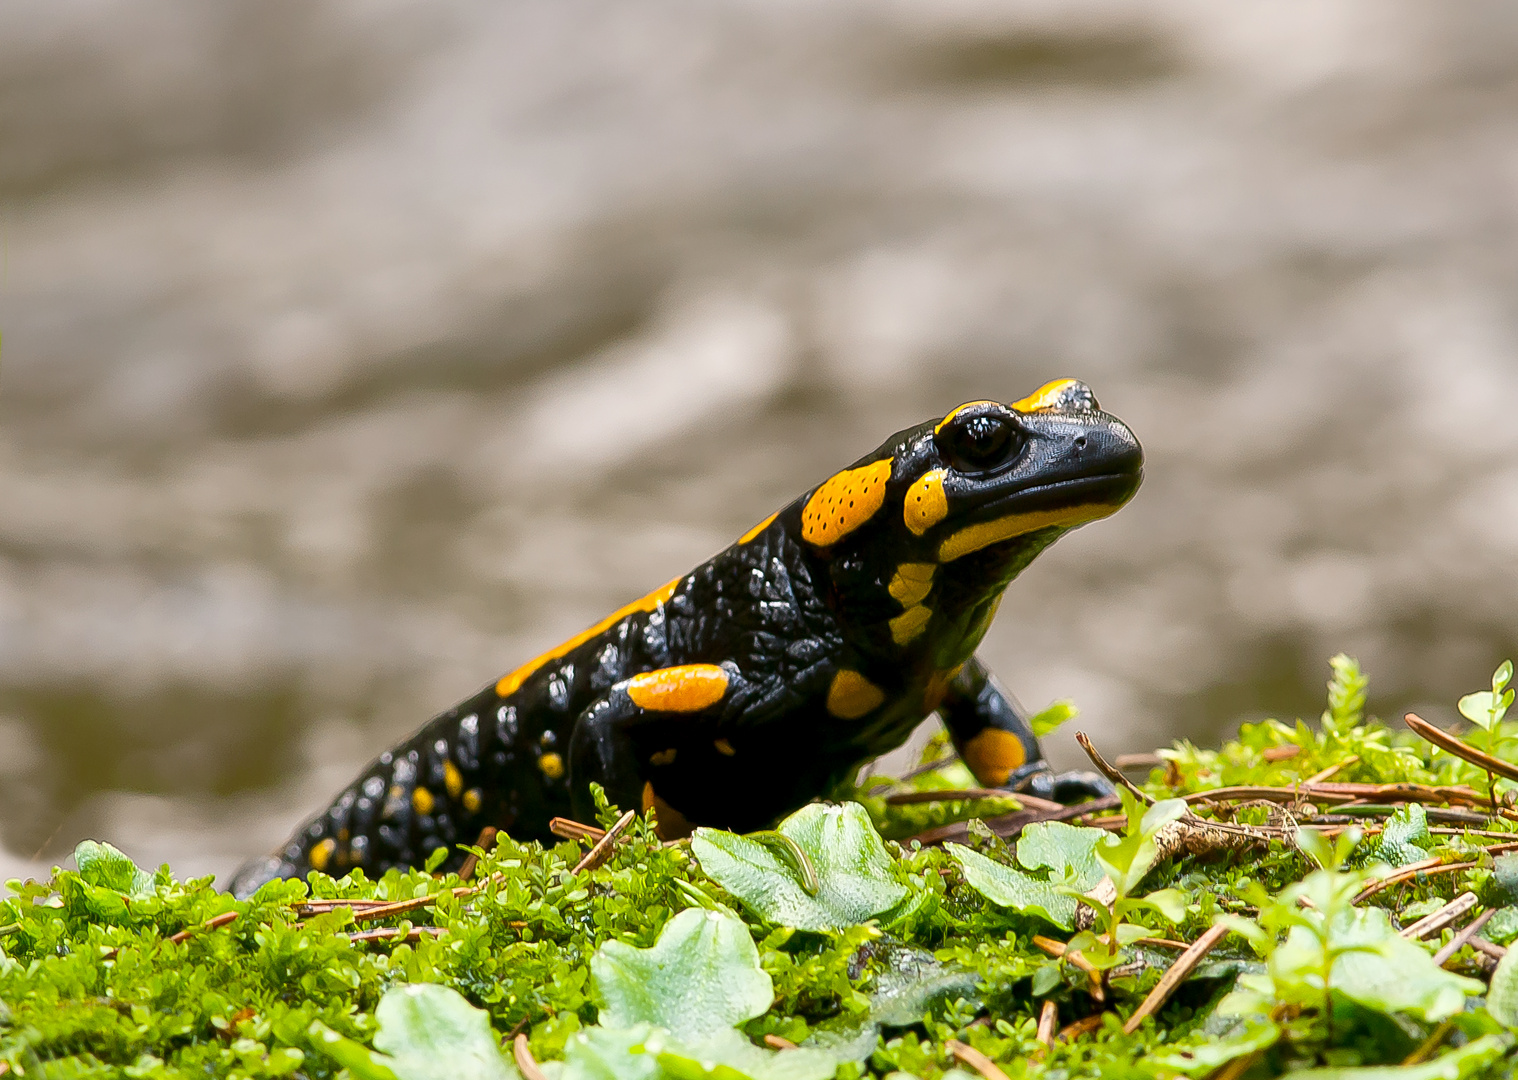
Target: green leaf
(1058, 712)
(1171, 903)
(1069, 851)
(357, 1058)
(1011, 888)
(1386, 971)
(1456, 1065)
(701, 976)
(1502, 997)
(646, 1052)
(1207, 1053)
(853, 871)
(1478, 708)
(1502, 676)
(432, 1033)
(105, 866)
(1404, 838)
(1161, 814)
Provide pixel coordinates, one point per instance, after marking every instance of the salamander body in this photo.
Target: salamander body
(768, 674)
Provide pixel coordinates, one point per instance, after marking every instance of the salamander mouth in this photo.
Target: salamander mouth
(1104, 489)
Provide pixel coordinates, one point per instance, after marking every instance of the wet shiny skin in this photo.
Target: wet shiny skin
(765, 676)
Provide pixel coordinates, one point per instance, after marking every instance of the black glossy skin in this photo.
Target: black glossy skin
(782, 616)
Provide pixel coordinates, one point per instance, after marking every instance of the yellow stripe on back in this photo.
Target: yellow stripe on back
(509, 684)
(844, 502)
(1042, 398)
(983, 534)
(759, 528)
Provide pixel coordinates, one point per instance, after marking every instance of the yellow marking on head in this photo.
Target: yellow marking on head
(967, 405)
(938, 687)
(852, 695)
(911, 582)
(663, 757)
(926, 504)
(422, 800)
(669, 823)
(993, 754)
(472, 799)
(1042, 398)
(686, 688)
(910, 624)
(724, 747)
(552, 766)
(759, 528)
(453, 780)
(984, 534)
(321, 853)
(844, 502)
(509, 684)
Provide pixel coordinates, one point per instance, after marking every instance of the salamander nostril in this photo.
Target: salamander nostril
(1080, 442)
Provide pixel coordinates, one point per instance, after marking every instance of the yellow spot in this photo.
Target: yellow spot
(911, 582)
(1042, 398)
(926, 504)
(453, 780)
(509, 684)
(422, 801)
(993, 754)
(984, 534)
(473, 799)
(663, 757)
(844, 502)
(670, 824)
(395, 792)
(852, 695)
(962, 408)
(759, 528)
(321, 853)
(724, 747)
(909, 624)
(342, 836)
(686, 688)
(552, 766)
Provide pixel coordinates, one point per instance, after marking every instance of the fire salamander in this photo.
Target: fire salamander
(764, 677)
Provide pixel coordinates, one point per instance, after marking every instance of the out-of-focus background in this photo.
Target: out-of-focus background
(356, 351)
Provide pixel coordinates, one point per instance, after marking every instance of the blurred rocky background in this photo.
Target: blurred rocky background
(355, 352)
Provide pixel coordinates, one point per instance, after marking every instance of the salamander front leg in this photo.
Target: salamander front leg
(611, 742)
(995, 741)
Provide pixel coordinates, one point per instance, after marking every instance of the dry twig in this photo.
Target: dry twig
(1178, 973)
(602, 851)
(975, 1059)
(1463, 938)
(526, 1063)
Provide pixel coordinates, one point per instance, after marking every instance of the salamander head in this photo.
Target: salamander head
(960, 505)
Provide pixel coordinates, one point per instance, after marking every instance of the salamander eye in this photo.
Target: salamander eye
(979, 443)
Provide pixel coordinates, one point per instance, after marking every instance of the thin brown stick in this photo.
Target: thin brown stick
(975, 1059)
(779, 1042)
(1460, 748)
(1281, 753)
(1178, 973)
(1463, 938)
(566, 829)
(402, 907)
(1438, 920)
(1430, 1044)
(907, 798)
(210, 924)
(1107, 770)
(484, 843)
(1324, 774)
(392, 935)
(1081, 1027)
(1060, 951)
(1048, 1020)
(1489, 948)
(1163, 943)
(1236, 1068)
(1429, 867)
(526, 1063)
(602, 851)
